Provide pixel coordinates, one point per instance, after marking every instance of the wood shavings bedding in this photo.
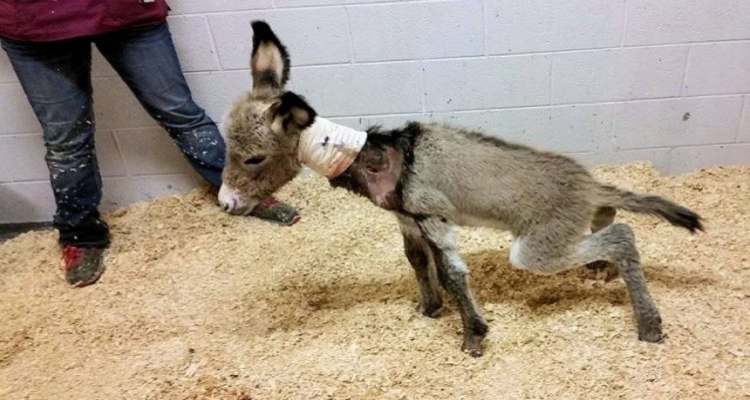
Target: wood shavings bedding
(197, 304)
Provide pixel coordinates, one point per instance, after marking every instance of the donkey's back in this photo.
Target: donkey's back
(491, 182)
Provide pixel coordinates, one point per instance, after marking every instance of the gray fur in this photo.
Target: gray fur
(435, 177)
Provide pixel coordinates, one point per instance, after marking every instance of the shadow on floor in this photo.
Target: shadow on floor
(9, 231)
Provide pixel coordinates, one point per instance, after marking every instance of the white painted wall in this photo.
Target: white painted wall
(608, 81)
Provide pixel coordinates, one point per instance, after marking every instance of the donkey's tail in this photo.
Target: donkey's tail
(672, 212)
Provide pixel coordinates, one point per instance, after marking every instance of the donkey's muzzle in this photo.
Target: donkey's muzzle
(231, 201)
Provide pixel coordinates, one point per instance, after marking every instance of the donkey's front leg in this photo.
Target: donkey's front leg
(441, 239)
(416, 250)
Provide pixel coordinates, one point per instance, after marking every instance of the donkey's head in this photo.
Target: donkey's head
(263, 129)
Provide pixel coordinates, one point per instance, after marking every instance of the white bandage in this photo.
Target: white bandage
(328, 148)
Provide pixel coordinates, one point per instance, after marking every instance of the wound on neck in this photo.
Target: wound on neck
(375, 174)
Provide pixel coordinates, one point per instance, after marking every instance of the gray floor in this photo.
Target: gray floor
(9, 231)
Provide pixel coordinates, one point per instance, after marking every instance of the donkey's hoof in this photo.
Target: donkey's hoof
(651, 331)
(431, 310)
(651, 337)
(600, 271)
(473, 345)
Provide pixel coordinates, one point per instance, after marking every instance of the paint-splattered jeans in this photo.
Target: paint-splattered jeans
(56, 78)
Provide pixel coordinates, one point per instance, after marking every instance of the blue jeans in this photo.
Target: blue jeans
(56, 78)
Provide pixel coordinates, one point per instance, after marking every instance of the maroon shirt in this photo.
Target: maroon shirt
(51, 20)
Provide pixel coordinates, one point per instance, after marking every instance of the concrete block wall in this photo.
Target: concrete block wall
(606, 81)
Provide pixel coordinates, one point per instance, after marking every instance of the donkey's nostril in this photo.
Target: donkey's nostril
(230, 199)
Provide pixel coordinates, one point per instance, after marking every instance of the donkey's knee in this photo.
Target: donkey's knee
(416, 254)
(623, 231)
(620, 243)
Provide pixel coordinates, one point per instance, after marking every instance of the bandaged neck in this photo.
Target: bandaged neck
(328, 148)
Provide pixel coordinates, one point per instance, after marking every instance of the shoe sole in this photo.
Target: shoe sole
(91, 281)
(291, 222)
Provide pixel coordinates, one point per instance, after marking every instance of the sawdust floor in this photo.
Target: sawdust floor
(197, 304)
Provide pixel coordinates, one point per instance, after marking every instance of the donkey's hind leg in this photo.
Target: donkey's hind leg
(615, 243)
(605, 270)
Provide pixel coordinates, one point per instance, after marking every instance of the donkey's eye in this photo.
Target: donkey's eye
(254, 160)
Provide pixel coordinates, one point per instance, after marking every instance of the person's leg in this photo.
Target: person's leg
(146, 60)
(56, 80)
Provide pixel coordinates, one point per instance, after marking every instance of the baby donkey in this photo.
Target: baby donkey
(433, 178)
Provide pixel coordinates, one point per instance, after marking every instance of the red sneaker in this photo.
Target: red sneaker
(82, 265)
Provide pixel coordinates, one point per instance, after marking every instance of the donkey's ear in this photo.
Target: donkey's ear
(291, 113)
(269, 61)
